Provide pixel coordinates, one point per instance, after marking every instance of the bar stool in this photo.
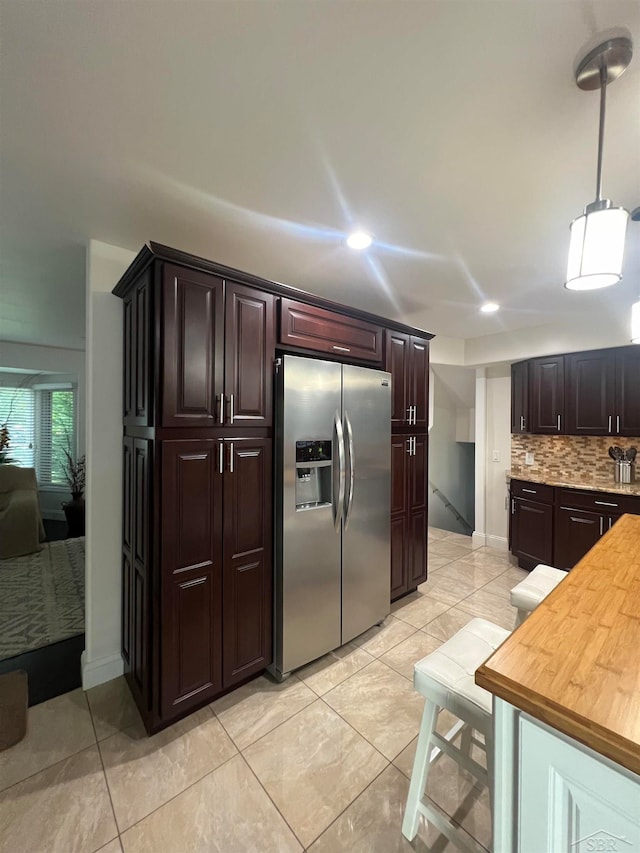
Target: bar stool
(446, 680)
(528, 594)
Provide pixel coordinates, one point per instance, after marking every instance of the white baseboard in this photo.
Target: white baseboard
(501, 543)
(98, 671)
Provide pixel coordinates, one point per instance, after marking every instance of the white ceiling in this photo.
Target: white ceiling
(258, 133)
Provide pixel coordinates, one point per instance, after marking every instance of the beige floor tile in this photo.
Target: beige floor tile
(421, 611)
(435, 533)
(256, 708)
(492, 607)
(63, 809)
(56, 729)
(373, 823)
(376, 641)
(403, 656)
(490, 558)
(313, 766)
(468, 574)
(459, 539)
(380, 704)
(332, 669)
(448, 590)
(144, 772)
(226, 812)
(443, 627)
(504, 583)
(442, 548)
(112, 707)
(112, 847)
(434, 562)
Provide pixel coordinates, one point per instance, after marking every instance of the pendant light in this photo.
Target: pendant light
(596, 247)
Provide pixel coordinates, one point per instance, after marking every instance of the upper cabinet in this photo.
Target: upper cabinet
(590, 392)
(520, 397)
(583, 393)
(218, 350)
(407, 360)
(319, 329)
(547, 394)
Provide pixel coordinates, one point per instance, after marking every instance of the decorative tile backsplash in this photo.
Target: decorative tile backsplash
(567, 457)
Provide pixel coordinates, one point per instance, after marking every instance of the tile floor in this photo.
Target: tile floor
(319, 763)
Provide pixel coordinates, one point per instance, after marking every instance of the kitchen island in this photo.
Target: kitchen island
(566, 688)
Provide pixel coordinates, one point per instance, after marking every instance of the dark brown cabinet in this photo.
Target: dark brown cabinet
(407, 359)
(313, 328)
(576, 532)
(408, 512)
(531, 532)
(582, 393)
(137, 385)
(520, 397)
(218, 350)
(546, 376)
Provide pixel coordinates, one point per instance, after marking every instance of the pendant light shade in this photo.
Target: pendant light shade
(635, 323)
(596, 249)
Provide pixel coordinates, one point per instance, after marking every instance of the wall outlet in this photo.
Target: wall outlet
(495, 456)
(528, 458)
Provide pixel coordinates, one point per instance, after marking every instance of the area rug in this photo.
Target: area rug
(42, 597)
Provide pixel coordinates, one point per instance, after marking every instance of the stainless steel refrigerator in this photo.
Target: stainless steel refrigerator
(332, 483)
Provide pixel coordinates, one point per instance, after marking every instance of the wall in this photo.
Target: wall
(101, 659)
(69, 366)
(451, 464)
(498, 441)
(570, 458)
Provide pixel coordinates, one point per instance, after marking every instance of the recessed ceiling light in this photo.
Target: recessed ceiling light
(359, 240)
(490, 307)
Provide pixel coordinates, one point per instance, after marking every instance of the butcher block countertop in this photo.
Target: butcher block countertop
(575, 662)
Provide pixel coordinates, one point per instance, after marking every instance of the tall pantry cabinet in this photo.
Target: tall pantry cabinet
(407, 359)
(197, 523)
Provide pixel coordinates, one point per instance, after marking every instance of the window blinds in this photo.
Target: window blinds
(17, 410)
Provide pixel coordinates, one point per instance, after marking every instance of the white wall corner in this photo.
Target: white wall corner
(478, 540)
(501, 543)
(99, 671)
(480, 521)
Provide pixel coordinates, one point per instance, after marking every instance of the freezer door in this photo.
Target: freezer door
(308, 577)
(366, 548)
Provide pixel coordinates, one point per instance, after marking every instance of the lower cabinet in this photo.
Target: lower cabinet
(531, 532)
(576, 532)
(207, 609)
(409, 499)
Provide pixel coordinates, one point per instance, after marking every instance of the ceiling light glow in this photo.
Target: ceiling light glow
(359, 240)
(490, 307)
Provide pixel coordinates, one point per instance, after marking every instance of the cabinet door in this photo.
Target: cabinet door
(399, 515)
(249, 354)
(547, 395)
(590, 393)
(418, 499)
(193, 347)
(532, 532)
(419, 383)
(520, 397)
(137, 408)
(191, 585)
(628, 391)
(576, 532)
(397, 364)
(314, 328)
(247, 573)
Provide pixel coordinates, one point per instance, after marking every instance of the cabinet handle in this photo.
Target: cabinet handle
(601, 525)
(558, 423)
(583, 521)
(521, 423)
(231, 457)
(341, 349)
(604, 503)
(221, 415)
(618, 424)
(610, 523)
(221, 458)
(414, 444)
(415, 415)
(530, 491)
(610, 419)
(513, 507)
(409, 440)
(231, 408)
(409, 410)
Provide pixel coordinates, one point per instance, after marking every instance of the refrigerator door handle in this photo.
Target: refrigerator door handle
(338, 505)
(352, 469)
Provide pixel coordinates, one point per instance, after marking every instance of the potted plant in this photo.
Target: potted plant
(75, 473)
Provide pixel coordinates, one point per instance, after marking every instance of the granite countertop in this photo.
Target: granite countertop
(579, 481)
(588, 685)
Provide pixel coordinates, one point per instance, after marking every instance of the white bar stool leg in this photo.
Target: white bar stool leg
(421, 767)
